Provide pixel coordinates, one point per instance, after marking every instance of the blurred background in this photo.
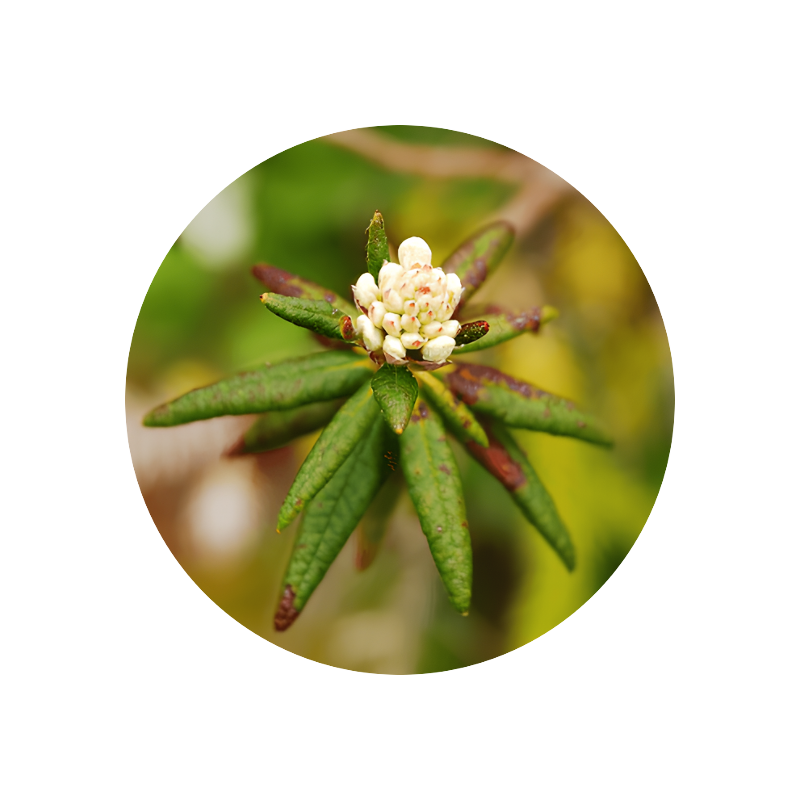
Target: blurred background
(306, 210)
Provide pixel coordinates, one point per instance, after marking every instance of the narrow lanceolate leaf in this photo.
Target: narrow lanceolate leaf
(375, 522)
(505, 325)
(278, 428)
(331, 517)
(316, 315)
(521, 405)
(504, 459)
(478, 257)
(396, 391)
(472, 331)
(377, 245)
(455, 413)
(282, 282)
(329, 452)
(435, 487)
(320, 376)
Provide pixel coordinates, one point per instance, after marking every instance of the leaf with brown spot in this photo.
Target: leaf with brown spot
(456, 414)
(330, 451)
(506, 461)
(331, 517)
(505, 325)
(521, 405)
(318, 316)
(289, 384)
(286, 613)
(472, 331)
(475, 259)
(288, 284)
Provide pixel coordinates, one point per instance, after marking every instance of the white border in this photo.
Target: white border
(627, 172)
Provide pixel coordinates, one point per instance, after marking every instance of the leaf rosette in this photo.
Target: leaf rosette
(385, 410)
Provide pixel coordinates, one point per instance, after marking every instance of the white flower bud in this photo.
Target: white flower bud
(414, 251)
(425, 317)
(445, 312)
(420, 279)
(373, 338)
(409, 323)
(435, 303)
(439, 278)
(454, 286)
(376, 313)
(437, 349)
(405, 289)
(391, 324)
(394, 347)
(412, 341)
(387, 275)
(410, 307)
(393, 301)
(365, 291)
(451, 328)
(432, 329)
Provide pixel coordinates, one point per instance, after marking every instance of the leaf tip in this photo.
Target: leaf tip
(601, 438)
(284, 518)
(479, 436)
(549, 314)
(365, 555)
(264, 297)
(286, 613)
(154, 418)
(238, 448)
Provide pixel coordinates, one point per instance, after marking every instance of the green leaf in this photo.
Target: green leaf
(331, 517)
(457, 416)
(377, 245)
(372, 528)
(476, 259)
(320, 376)
(286, 283)
(522, 405)
(504, 459)
(277, 428)
(396, 391)
(434, 484)
(316, 315)
(329, 452)
(505, 325)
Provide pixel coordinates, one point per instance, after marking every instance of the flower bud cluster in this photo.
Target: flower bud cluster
(410, 307)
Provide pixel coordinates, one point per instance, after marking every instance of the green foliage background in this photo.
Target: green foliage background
(305, 210)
